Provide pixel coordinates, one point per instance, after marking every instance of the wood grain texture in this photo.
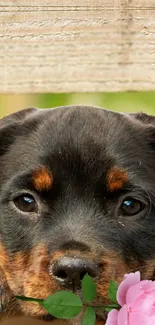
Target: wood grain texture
(66, 46)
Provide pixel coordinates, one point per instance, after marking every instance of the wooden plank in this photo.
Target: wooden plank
(67, 46)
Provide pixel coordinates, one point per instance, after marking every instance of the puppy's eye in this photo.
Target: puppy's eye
(26, 203)
(131, 207)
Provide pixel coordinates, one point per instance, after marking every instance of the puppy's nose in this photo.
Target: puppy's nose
(70, 271)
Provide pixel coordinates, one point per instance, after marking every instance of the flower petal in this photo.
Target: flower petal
(112, 317)
(129, 280)
(137, 318)
(134, 293)
(144, 304)
(123, 316)
(137, 290)
(148, 285)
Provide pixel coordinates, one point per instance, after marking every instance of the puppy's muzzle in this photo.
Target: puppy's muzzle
(69, 271)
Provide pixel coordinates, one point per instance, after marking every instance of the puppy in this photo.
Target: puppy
(77, 196)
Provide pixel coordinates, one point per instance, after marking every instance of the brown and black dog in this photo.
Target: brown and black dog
(77, 196)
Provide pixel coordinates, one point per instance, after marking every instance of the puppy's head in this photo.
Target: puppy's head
(77, 196)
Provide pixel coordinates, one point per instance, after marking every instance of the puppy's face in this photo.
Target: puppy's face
(77, 191)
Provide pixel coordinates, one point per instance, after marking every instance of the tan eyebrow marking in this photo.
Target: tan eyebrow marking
(116, 178)
(42, 179)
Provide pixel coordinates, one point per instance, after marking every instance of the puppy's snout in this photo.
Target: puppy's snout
(70, 271)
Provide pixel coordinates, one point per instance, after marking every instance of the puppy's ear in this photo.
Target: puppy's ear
(6, 297)
(17, 117)
(12, 125)
(144, 118)
(147, 125)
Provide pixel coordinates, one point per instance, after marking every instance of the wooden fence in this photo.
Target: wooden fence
(80, 45)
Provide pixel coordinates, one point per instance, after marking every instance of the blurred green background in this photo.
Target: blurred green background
(122, 102)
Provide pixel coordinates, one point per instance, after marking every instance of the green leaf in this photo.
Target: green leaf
(63, 304)
(111, 307)
(88, 288)
(29, 299)
(89, 317)
(112, 291)
(108, 309)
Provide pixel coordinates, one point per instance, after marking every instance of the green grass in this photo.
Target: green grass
(121, 102)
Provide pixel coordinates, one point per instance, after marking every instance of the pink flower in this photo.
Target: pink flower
(137, 301)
